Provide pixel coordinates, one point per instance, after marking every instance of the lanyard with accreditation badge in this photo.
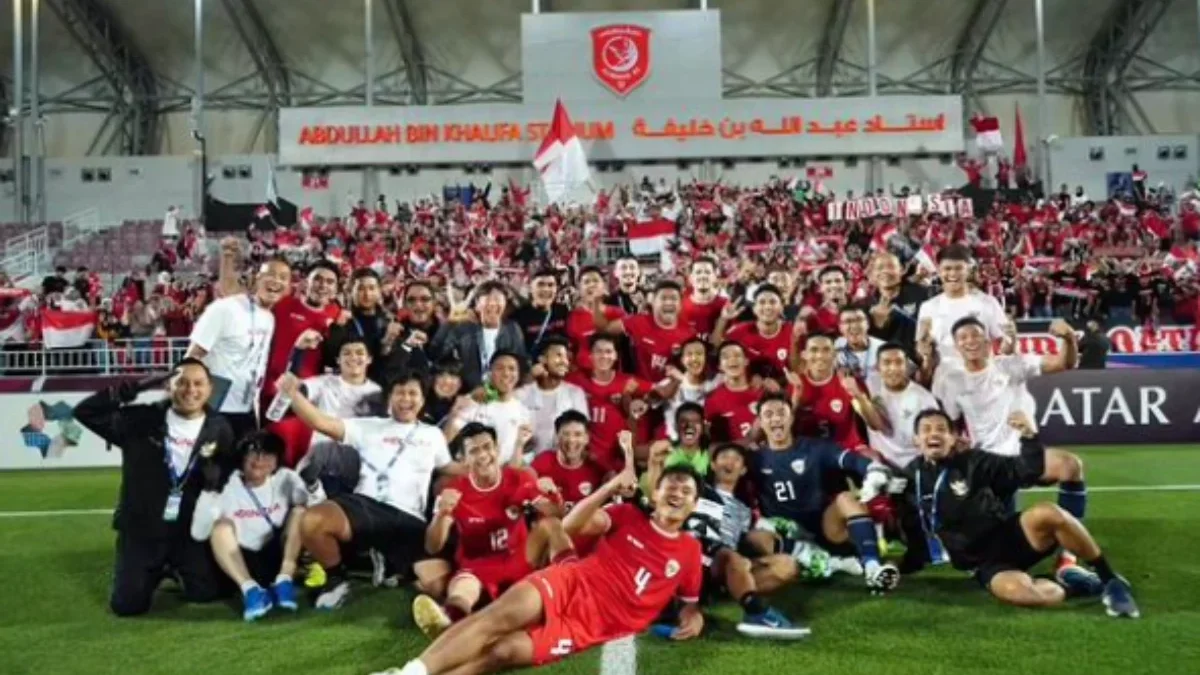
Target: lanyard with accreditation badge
(929, 521)
(262, 511)
(175, 495)
(381, 475)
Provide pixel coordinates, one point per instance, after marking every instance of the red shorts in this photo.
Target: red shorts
(495, 573)
(568, 605)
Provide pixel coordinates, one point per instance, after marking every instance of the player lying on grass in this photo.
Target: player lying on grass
(959, 495)
(640, 564)
(253, 524)
(986, 390)
(792, 477)
(487, 509)
(720, 523)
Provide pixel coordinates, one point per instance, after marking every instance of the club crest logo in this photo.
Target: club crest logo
(585, 488)
(959, 488)
(672, 568)
(513, 512)
(781, 354)
(798, 466)
(621, 56)
(836, 406)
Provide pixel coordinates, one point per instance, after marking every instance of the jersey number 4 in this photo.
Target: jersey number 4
(641, 579)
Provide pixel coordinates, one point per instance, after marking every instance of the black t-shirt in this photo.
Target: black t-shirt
(537, 324)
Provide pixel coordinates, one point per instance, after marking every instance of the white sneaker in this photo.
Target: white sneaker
(414, 667)
(883, 578)
(846, 565)
(379, 575)
(334, 597)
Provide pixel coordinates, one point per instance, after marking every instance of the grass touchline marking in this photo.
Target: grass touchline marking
(1187, 487)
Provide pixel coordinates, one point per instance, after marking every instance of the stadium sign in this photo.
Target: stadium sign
(622, 130)
(1123, 406)
(1124, 339)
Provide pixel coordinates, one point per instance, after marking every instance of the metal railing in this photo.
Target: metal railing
(81, 226)
(28, 254)
(97, 357)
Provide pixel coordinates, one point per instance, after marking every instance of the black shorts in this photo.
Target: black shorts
(1008, 550)
(399, 536)
(263, 564)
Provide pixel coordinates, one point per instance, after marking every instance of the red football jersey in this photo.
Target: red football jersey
(491, 522)
(293, 316)
(826, 412)
(581, 326)
(607, 415)
(771, 352)
(653, 345)
(637, 569)
(702, 318)
(573, 483)
(730, 413)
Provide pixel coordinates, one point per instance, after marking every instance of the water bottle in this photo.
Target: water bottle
(279, 407)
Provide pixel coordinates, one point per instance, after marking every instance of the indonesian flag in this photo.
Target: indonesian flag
(880, 241)
(262, 212)
(1020, 158)
(1181, 262)
(560, 159)
(63, 330)
(987, 134)
(306, 218)
(1126, 209)
(927, 258)
(650, 237)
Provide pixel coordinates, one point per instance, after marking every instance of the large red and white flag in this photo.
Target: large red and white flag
(561, 160)
(987, 133)
(879, 242)
(650, 237)
(62, 330)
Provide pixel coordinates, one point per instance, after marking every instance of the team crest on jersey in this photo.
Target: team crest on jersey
(753, 408)
(798, 466)
(781, 354)
(585, 489)
(836, 406)
(959, 488)
(513, 512)
(672, 568)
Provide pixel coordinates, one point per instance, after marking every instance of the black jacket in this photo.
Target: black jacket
(139, 430)
(465, 341)
(371, 328)
(901, 326)
(971, 498)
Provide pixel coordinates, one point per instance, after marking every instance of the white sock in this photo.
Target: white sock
(282, 578)
(870, 566)
(246, 586)
(414, 667)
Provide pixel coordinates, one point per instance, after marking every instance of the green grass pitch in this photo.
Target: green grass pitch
(55, 571)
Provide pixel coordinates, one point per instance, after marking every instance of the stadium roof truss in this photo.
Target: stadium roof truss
(133, 97)
(1113, 71)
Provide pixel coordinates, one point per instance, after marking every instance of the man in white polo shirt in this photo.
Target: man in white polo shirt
(233, 338)
(388, 508)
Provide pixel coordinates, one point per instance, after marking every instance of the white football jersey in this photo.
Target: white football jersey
(986, 399)
(901, 408)
(943, 312)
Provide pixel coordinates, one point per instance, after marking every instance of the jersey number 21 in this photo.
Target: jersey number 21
(784, 491)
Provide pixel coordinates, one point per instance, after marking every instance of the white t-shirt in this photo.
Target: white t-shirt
(406, 454)
(338, 398)
(901, 408)
(987, 398)
(487, 349)
(546, 405)
(943, 312)
(236, 332)
(687, 393)
(181, 437)
(860, 362)
(504, 417)
(277, 495)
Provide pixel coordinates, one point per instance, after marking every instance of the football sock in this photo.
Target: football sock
(455, 612)
(247, 586)
(1100, 564)
(1072, 497)
(862, 533)
(752, 604)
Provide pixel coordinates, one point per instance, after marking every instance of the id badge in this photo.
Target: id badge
(251, 387)
(171, 510)
(937, 553)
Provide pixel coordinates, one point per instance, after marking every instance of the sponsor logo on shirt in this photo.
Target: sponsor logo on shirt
(253, 513)
(635, 542)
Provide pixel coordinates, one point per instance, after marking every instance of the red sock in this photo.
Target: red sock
(563, 556)
(455, 612)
